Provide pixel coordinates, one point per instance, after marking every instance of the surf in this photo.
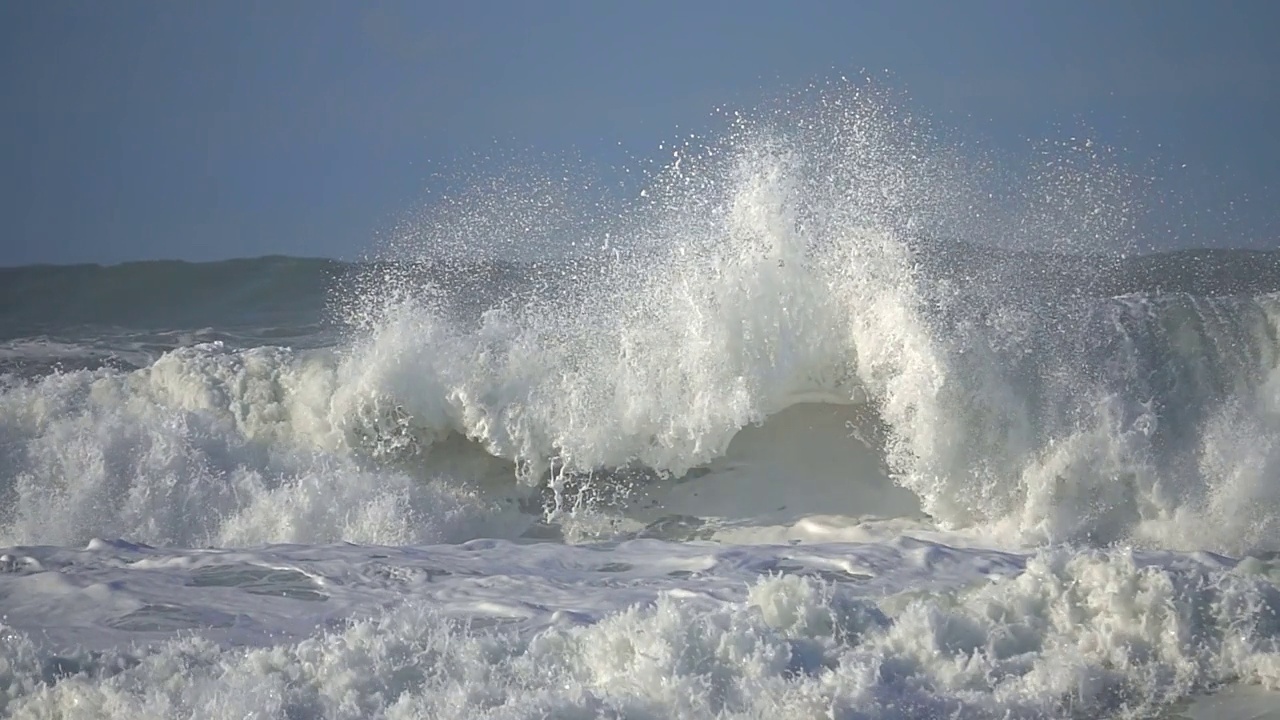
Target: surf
(706, 339)
(818, 423)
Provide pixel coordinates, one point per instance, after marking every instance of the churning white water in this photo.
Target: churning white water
(779, 440)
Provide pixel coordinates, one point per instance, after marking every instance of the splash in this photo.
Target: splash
(832, 251)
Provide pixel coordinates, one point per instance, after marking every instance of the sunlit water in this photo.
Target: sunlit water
(771, 446)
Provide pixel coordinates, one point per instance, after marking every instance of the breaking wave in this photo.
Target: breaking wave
(781, 325)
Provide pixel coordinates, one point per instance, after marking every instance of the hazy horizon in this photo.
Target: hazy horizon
(373, 258)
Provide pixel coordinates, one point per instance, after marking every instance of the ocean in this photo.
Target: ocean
(799, 433)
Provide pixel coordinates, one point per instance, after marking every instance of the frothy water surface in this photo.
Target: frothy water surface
(788, 436)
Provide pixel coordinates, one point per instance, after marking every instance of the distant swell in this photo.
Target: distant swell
(165, 294)
(173, 295)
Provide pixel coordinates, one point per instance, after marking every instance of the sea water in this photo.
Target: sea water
(815, 426)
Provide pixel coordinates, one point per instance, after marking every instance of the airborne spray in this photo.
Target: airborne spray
(944, 433)
(832, 249)
(826, 307)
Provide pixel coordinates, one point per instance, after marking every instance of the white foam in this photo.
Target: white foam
(767, 272)
(899, 628)
(763, 353)
(213, 447)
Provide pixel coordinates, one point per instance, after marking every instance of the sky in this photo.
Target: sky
(147, 129)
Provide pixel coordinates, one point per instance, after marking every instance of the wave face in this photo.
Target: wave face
(781, 326)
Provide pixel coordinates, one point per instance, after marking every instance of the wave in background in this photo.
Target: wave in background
(781, 325)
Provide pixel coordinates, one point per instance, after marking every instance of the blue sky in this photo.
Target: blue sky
(140, 129)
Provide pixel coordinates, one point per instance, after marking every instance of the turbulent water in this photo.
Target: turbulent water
(788, 436)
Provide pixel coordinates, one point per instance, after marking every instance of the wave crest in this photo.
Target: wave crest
(796, 259)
